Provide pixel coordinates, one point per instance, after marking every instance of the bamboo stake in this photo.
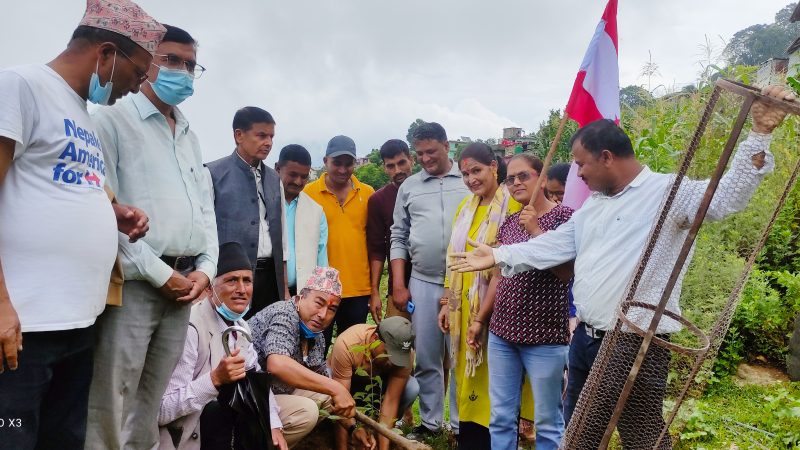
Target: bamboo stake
(393, 437)
(549, 157)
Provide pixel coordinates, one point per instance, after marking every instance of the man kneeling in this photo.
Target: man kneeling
(361, 354)
(190, 404)
(288, 338)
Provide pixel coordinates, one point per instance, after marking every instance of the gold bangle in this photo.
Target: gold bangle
(444, 301)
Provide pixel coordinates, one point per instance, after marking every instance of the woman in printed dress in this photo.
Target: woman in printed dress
(527, 317)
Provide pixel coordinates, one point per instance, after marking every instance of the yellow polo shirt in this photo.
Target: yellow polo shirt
(347, 233)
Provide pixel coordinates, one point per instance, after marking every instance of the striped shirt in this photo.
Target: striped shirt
(186, 395)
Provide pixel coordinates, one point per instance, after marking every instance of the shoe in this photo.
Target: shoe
(419, 433)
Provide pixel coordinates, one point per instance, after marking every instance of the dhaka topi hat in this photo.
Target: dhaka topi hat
(325, 279)
(126, 18)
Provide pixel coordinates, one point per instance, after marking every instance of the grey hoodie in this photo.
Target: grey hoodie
(423, 218)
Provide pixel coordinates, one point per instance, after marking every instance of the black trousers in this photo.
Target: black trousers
(473, 436)
(265, 287)
(216, 426)
(642, 419)
(44, 403)
(352, 311)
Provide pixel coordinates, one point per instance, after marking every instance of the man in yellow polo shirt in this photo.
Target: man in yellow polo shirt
(344, 200)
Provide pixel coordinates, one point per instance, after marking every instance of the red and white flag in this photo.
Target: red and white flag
(595, 94)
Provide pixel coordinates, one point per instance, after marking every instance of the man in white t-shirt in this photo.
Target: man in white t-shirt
(58, 230)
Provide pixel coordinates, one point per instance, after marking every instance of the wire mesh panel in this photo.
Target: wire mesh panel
(676, 312)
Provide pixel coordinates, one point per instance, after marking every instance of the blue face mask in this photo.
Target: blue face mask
(173, 86)
(306, 332)
(225, 312)
(101, 94)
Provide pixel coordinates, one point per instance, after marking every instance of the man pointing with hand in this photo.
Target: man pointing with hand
(606, 238)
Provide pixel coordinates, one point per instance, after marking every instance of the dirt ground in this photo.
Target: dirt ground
(758, 374)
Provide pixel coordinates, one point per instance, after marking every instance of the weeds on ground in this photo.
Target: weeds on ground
(765, 417)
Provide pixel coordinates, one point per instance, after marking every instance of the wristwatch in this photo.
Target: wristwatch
(351, 429)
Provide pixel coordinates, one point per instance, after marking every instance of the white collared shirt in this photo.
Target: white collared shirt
(161, 172)
(186, 394)
(607, 236)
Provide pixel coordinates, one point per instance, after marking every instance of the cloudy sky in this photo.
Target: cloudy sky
(368, 68)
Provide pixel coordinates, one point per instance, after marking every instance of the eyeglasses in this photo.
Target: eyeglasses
(173, 61)
(522, 177)
(141, 75)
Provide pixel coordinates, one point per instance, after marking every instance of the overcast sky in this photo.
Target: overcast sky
(368, 68)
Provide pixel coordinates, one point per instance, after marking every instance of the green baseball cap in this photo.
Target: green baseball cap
(398, 337)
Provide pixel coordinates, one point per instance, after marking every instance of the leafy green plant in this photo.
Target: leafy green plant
(371, 396)
(794, 80)
(698, 427)
(764, 319)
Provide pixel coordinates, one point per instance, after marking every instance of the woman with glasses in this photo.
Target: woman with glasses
(527, 318)
(478, 218)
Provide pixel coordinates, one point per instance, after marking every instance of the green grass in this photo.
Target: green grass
(730, 416)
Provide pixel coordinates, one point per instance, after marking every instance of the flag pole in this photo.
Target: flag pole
(549, 158)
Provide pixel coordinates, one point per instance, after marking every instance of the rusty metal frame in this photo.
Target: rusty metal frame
(750, 95)
(723, 322)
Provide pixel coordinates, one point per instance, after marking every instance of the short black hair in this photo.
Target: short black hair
(559, 173)
(430, 130)
(94, 35)
(394, 147)
(601, 135)
(483, 154)
(296, 153)
(249, 115)
(175, 34)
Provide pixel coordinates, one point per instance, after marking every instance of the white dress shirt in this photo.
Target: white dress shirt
(161, 172)
(607, 236)
(185, 395)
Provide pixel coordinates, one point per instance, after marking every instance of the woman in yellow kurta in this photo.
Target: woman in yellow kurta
(477, 218)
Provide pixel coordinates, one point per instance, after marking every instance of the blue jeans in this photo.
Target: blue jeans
(544, 365)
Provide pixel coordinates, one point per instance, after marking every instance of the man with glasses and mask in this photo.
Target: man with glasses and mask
(58, 234)
(153, 160)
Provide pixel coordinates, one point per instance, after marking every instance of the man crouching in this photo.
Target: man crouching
(288, 338)
(190, 404)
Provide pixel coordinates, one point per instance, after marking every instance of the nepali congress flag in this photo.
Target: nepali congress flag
(595, 94)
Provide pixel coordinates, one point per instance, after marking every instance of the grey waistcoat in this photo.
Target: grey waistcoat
(236, 207)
